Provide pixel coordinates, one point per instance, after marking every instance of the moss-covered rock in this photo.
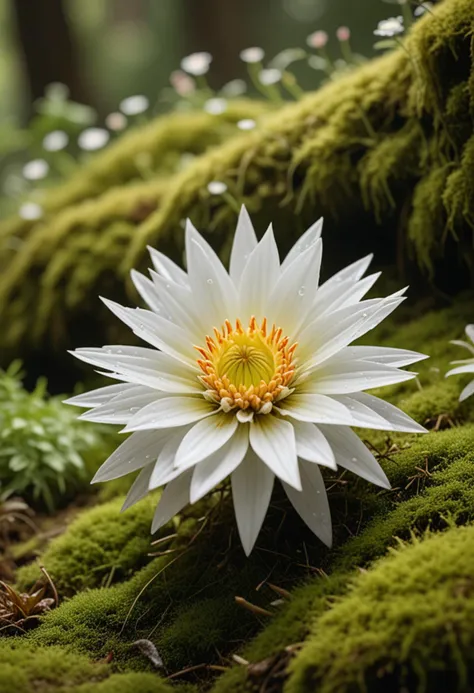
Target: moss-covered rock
(408, 622)
(384, 153)
(24, 669)
(100, 547)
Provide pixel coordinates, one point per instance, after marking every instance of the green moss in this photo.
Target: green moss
(393, 162)
(407, 622)
(457, 196)
(178, 607)
(448, 498)
(101, 546)
(24, 669)
(419, 501)
(427, 221)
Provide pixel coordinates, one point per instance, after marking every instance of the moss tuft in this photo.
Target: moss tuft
(414, 607)
(24, 669)
(100, 547)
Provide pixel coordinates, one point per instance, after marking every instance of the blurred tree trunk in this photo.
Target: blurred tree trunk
(47, 47)
(222, 29)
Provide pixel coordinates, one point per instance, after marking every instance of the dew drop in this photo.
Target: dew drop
(209, 281)
(301, 291)
(354, 459)
(364, 315)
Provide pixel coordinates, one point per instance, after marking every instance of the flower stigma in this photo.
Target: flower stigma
(247, 369)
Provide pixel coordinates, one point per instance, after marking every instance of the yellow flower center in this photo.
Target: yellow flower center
(247, 368)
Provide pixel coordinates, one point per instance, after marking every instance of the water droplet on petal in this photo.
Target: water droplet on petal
(354, 459)
(301, 291)
(364, 315)
(209, 281)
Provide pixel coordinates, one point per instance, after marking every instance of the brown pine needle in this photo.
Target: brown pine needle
(196, 667)
(257, 610)
(51, 584)
(162, 540)
(280, 591)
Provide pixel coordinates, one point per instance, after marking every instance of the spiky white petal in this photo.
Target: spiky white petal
(259, 277)
(252, 485)
(219, 465)
(311, 503)
(467, 364)
(205, 438)
(245, 242)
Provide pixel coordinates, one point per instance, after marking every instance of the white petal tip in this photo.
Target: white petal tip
(248, 548)
(327, 540)
(385, 484)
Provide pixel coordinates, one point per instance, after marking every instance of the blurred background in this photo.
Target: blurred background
(105, 50)
(66, 65)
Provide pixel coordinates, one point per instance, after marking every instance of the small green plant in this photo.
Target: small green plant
(45, 454)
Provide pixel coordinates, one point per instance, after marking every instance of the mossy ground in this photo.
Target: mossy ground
(53, 670)
(184, 599)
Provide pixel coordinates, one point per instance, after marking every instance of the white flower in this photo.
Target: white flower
(318, 39)
(249, 375)
(246, 124)
(390, 27)
(269, 76)
(182, 83)
(55, 141)
(343, 33)
(252, 55)
(423, 8)
(35, 169)
(467, 365)
(215, 106)
(91, 139)
(197, 63)
(30, 211)
(134, 105)
(236, 87)
(217, 187)
(116, 121)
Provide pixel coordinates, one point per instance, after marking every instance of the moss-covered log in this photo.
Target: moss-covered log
(385, 153)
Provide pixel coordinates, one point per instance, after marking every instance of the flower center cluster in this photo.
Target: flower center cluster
(247, 368)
